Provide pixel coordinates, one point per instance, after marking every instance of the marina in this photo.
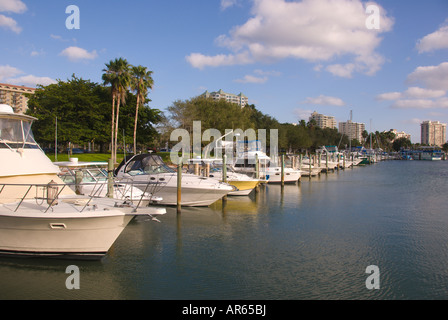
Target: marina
(264, 230)
(311, 240)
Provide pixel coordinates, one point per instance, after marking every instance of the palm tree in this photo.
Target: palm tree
(117, 75)
(110, 77)
(141, 82)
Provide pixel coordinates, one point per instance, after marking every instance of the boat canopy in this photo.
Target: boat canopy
(146, 163)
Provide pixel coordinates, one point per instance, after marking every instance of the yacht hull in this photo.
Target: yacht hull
(81, 237)
(190, 196)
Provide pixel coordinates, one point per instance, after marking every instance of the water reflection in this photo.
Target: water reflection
(312, 240)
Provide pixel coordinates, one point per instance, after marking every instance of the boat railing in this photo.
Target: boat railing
(51, 192)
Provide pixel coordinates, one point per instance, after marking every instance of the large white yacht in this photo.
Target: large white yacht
(149, 173)
(39, 214)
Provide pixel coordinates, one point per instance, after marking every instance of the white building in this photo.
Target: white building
(433, 133)
(323, 121)
(353, 130)
(239, 99)
(14, 96)
(399, 135)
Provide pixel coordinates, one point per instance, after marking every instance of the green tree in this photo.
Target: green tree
(77, 104)
(82, 111)
(400, 143)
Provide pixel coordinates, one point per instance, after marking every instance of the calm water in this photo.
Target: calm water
(308, 241)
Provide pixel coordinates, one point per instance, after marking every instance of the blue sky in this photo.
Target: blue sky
(289, 57)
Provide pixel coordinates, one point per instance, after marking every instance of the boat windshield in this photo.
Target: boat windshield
(89, 175)
(16, 133)
(148, 165)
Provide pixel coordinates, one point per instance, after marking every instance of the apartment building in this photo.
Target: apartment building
(400, 134)
(353, 130)
(323, 121)
(239, 99)
(15, 96)
(433, 133)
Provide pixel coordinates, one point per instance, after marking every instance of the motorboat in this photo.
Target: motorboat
(91, 178)
(151, 174)
(213, 168)
(246, 159)
(39, 214)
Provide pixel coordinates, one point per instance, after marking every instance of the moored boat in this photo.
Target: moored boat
(39, 214)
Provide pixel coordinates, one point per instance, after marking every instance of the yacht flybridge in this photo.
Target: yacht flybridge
(39, 214)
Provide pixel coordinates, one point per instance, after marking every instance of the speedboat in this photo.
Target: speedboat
(39, 214)
(245, 162)
(214, 169)
(90, 178)
(151, 174)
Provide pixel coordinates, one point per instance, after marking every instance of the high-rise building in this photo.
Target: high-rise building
(433, 133)
(323, 121)
(14, 96)
(353, 130)
(239, 99)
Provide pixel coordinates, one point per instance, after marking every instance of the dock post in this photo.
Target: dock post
(224, 172)
(309, 167)
(283, 169)
(110, 179)
(179, 185)
(326, 162)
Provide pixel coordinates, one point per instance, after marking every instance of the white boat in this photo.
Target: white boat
(214, 169)
(149, 173)
(93, 181)
(246, 158)
(39, 214)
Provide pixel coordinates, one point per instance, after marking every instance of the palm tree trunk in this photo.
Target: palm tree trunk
(112, 130)
(135, 124)
(116, 129)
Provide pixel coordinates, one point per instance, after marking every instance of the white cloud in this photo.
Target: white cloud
(344, 71)
(417, 92)
(302, 114)
(252, 79)
(313, 30)
(389, 96)
(9, 23)
(200, 61)
(8, 72)
(434, 41)
(76, 54)
(31, 80)
(15, 6)
(421, 103)
(325, 100)
(12, 6)
(228, 3)
(433, 77)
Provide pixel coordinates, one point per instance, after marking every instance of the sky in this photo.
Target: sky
(385, 61)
